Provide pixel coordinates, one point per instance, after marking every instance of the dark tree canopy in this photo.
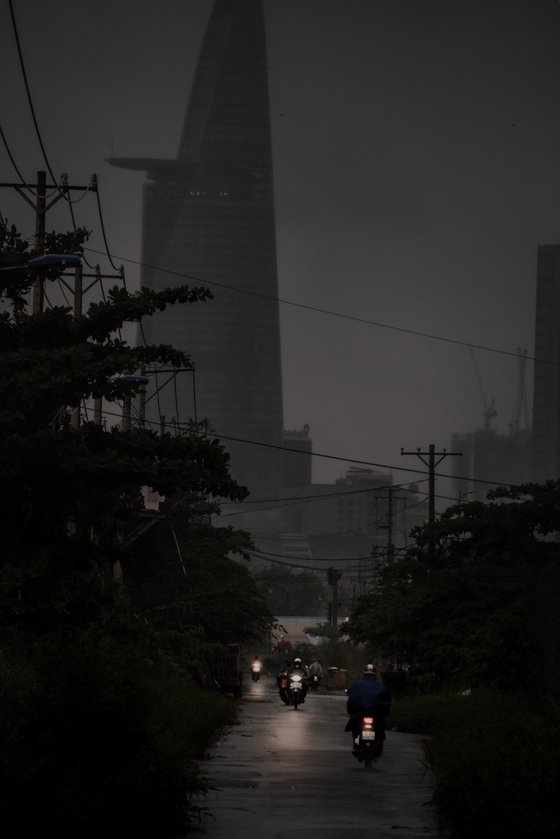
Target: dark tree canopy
(71, 492)
(484, 610)
(291, 593)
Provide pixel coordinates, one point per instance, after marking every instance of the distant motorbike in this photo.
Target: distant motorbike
(256, 668)
(295, 689)
(314, 681)
(368, 746)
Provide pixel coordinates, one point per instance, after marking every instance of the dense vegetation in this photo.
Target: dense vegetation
(475, 630)
(289, 592)
(107, 696)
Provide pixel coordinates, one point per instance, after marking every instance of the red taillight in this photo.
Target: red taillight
(369, 720)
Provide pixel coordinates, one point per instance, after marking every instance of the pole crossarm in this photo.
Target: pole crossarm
(62, 189)
(431, 463)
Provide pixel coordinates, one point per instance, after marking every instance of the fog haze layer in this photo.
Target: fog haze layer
(417, 169)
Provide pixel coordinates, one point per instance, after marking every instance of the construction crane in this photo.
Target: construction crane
(522, 403)
(489, 410)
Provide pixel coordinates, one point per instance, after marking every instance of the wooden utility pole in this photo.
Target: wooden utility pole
(40, 206)
(390, 545)
(40, 211)
(333, 576)
(431, 463)
(390, 499)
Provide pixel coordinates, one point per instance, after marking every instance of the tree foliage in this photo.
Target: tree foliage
(183, 575)
(290, 593)
(128, 653)
(483, 611)
(69, 493)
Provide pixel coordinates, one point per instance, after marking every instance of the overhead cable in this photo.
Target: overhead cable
(332, 313)
(333, 457)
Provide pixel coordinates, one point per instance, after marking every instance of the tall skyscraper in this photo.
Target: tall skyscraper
(546, 387)
(208, 218)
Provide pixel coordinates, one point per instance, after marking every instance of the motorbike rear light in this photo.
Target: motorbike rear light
(369, 720)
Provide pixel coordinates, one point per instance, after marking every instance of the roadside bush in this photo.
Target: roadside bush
(495, 761)
(425, 714)
(101, 736)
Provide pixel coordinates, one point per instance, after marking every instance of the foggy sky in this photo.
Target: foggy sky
(417, 168)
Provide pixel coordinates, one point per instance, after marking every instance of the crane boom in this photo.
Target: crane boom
(489, 411)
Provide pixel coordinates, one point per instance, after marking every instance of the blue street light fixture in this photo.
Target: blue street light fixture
(133, 380)
(42, 263)
(54, 260)
(46, 261)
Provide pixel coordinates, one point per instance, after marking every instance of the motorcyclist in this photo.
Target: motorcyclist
(298, 667)
(368, 695)
(315, 668)
(315, 672)
(256, 666)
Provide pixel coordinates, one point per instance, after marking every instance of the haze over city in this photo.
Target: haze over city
(416, 172)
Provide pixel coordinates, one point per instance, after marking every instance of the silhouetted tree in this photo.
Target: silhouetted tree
(484, 610)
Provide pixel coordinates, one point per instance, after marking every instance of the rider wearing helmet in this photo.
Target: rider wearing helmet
(297, 667)
(368, 695)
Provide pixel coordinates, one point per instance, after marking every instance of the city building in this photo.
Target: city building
(489, 458)
(208, 220)
(546, 383)
(360, 514)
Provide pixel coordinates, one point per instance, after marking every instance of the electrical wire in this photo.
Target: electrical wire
(102, 223)
(266, 554)
(332, 313)
(339, 458)
(28, 91)
(302, 499)
(297, 501)
(61, 190)
(12, 160)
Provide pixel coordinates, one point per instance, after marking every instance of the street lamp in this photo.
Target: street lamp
(44, 263)
(54, 260)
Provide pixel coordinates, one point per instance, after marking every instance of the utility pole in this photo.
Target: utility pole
(390, 546)
(431, 463)
(40, 206)
(37, 295)
(333, 576)
(391, 498)
(78, 291)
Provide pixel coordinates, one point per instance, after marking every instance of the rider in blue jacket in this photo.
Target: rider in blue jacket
(368, 695)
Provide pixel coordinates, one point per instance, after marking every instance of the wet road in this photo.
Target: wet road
(285, 774)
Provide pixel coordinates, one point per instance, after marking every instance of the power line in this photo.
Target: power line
(332, 456)
(12, 159)
(63, 191)
(332, 313)
(101, 222)
(28, 91)
(322, 495)
(266, 554)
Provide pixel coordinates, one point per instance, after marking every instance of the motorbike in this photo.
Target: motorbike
(367, 746)
(256, 671)
(314, 681)
(295, 690)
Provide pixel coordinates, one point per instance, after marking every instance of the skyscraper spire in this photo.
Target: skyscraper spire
(209, 216)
